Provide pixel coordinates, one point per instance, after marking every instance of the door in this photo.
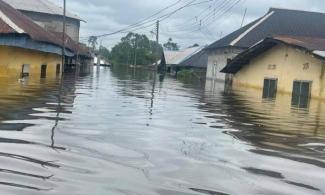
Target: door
(43, 71)
(58, 69)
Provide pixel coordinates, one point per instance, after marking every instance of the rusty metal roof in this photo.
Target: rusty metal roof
(77, 48)
(313, 45)
(40, 6)
(14, 22)
(5, 28)
(309, 43)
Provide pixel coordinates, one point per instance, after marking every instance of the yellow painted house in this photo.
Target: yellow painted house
(26, 49)
(283, 64)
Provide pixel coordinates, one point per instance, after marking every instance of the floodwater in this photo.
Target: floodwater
(128, 132)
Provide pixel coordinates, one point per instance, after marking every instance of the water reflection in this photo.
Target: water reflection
(130, 131)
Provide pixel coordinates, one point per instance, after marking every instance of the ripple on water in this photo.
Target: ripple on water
(118, 131)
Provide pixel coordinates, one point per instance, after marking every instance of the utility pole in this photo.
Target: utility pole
(157, 32)
(63, 36)
(157, 41)
(99, 50)
(135, 51)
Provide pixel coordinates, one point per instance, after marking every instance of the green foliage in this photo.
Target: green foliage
(191, 75)
(186, 74)
(171, 46)
(135, 49)
(92, 41)
(104, 53)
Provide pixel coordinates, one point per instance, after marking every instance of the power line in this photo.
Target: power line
(138, 24)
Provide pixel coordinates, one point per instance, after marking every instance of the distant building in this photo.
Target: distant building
(26, 49)
(276, 22)
(294, 65)
(190, 58)
(101, 62)
(48, 15)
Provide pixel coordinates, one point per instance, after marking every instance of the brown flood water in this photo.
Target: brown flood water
(118, 132)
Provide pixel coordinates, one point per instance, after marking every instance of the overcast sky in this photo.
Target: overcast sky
(216, 17)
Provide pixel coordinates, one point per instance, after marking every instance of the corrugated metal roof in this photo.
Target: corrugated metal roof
(14, 22)
(77, 48)
(5, 28)
(176, 57)
(198, 60)
(309, 43)
(40, 6)
(313, 45)
(276, 22)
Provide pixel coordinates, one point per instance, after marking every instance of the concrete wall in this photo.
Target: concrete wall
(55, 23)
(217, 60)
(12, 60)
(286, 64)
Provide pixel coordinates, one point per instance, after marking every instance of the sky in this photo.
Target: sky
(202, 22)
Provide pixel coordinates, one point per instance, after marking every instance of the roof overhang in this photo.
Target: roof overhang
(244, 58)
(23, 41)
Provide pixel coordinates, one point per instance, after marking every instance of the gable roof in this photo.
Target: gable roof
(40, 6)
(315, 46)
(14, 22)
(177, 57)
(18, 30)
(275, 23)
(197, 60)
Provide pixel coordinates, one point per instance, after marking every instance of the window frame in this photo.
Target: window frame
(267, 93)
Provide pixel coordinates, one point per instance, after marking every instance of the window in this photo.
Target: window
(43, 71)
(301, 93)
(25, 70)
(58, 69)
(270, 88)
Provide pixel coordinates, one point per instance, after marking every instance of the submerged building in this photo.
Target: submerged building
(287, 64)
(276, 22)
(48, 16)
(191, 58)
(26, 49)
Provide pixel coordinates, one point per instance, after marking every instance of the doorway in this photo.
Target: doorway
(43, 71)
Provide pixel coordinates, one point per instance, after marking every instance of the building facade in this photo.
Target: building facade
(275, 22)
(18, 63)
(48, 16)
(282, 65)
(218, 59)
(26, 49)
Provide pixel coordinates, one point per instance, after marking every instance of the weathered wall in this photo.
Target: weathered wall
(12, 59)
(286, 64)
(55, 23)
(217, 60)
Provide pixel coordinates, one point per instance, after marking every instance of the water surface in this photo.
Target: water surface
(126, 131)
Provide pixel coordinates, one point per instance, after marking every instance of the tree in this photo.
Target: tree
(135, 49)
(92, 41)
(171, 46)
(104, 53)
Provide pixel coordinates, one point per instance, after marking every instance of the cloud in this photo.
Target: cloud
(106, 16)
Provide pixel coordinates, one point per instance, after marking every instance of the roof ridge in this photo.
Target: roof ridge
(292, 9)
(260, 21)
(10, 23)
